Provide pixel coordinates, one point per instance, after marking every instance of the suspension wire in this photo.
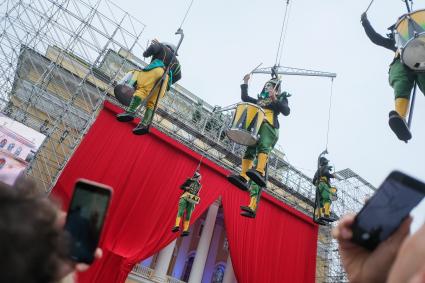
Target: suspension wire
(370, 4)
(284, 33)
(329, 114)
(187, 12)
(281, 32)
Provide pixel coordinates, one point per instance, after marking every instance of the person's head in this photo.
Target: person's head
(323, 161)
(32, 245)
(272, 86)
(197, 176)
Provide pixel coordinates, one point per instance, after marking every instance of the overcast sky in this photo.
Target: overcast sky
(224, 39)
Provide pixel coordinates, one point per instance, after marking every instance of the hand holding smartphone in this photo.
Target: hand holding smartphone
(86, 216)
(385, 211)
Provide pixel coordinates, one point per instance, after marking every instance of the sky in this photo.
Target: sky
(226, 39)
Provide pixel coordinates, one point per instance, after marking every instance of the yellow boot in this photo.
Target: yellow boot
(258, 174)
(176, 227)
(401, 106)
(253, 203)
(261, 163)
(185, 228)
(327, 208)
(246, 165)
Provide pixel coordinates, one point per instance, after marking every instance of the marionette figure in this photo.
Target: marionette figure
(326, 193)
(402, 78)
(254, 199)
(152, 82)
(190, 197)
(273, 102)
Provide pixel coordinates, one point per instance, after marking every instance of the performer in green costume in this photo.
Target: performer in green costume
(273, 102)
(322, 181)
(254, 199)
(152, 81)
(187, 202)
(401, 79)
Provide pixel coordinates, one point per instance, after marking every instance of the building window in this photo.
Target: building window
(218, 274)
(10, 146)
(18, 151)
(188, 268)
(3, 143)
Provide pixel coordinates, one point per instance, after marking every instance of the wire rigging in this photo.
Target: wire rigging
(329, 113)
(187, 12)
(279, 48)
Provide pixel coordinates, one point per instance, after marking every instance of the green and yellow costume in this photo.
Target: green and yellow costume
(187, 202)
(322, 179)
(152, 82)
(268, 135)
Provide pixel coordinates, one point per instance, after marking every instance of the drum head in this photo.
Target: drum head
(241, 137)
(124, 94)
(413, 54)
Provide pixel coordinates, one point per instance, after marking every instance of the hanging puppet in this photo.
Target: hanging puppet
(151, 83)
(325, 192)
(272, 102)
(406, 41)
(189, 198)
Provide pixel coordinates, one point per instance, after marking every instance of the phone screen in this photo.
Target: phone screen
(85, 218)
(385, 211)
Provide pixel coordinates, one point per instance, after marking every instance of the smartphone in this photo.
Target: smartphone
(86, 215)
(385, 211)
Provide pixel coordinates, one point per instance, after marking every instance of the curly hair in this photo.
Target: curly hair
(32, 245)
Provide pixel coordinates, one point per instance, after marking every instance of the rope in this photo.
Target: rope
(284, 34)
(329, 113)
(281, 32)
(187, 12)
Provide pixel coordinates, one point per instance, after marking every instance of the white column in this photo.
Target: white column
(212, 254)
(204, 245)
(229, 274)
(163, 262)
(182, 255)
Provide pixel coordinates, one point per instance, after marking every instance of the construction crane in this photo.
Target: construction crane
(282, 70)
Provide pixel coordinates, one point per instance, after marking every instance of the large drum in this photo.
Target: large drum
(410, 36)
(125, 88)
(246, 124)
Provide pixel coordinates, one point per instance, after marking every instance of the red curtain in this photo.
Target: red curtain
(146, 172)
(278, 245)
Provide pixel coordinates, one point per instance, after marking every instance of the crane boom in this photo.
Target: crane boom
(294, 72)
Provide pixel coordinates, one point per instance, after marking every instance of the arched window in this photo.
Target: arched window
(10, 146)
(3, 143)
(218, 274)
(187, 267)
(18, 151)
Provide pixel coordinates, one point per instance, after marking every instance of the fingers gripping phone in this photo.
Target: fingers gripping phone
(386, 210)
(85, 218)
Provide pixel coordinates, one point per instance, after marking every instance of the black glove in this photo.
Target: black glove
(363, 17)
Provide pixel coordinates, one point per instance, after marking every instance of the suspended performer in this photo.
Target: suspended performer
(273, 102)
(401, 79)
(190, 197)
(254, 198)
(321, 180)
(152, 82)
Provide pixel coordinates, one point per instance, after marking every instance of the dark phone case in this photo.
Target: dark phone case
(93, 188)
(373, 236)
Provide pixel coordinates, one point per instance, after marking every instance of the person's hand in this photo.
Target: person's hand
(361, 264)
(246, 78)
(68, 267)
(363, 17)
(410, 263)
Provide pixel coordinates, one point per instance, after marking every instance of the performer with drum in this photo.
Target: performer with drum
(402, 75)
(149, 84)
(273, 102)
(326, 192)
(187, 202)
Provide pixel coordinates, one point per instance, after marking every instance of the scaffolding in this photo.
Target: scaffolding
(58, 62)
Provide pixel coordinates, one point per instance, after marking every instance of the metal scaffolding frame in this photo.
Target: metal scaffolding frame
(58, 60)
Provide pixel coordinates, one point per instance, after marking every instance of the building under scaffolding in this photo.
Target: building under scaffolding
(58, 60)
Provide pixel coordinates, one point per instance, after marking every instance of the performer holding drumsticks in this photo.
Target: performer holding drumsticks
(401, 78)
(273, 102)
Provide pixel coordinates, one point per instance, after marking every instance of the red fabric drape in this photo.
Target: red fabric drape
(146, 173)
(279, 245)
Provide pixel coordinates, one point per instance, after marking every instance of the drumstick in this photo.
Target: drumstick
(370, 4)
(255, 69)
